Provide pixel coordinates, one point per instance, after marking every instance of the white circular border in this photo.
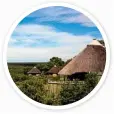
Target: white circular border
(68, 105)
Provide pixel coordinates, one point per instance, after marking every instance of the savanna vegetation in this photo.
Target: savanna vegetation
(38, 88)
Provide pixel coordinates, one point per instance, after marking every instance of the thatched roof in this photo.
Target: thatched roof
(95, 42)
(91, 59)
(34, 70)
(54, 70)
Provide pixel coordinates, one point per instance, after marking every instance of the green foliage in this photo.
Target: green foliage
(33, 87)
(91, 80)
(102, 42)
(27, 69)
(49, 99)
(44, 67)
(56, 61)
(17, 73)
(74, 92)
(54, 78)
(37, 88)
(19, 77)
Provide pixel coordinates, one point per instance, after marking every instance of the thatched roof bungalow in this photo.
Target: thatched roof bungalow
(91, 59)
(34, 71)
(54, 70)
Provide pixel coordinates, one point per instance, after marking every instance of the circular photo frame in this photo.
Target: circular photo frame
(62, 22)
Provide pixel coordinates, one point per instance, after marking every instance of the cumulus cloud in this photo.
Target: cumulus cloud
(40, 43)
(40, 35)
(34, 40)
(42, 54)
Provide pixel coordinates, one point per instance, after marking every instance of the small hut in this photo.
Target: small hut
(34, 71)
(91, 59)
(54, 70)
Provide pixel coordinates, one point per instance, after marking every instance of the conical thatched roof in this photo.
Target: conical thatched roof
(91, 59)
(95, 42)
(34, 70)
(54, 70)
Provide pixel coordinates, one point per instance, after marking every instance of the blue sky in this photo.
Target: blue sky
(51, 31)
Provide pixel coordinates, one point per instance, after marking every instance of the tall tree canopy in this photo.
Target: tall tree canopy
(56, 61)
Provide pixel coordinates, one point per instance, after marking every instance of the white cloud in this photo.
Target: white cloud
(82, 19)
(62, 15)
(41, 54)
(54, 11)
(68, 45)
(32, 29)
(12, 41)
(28, 35)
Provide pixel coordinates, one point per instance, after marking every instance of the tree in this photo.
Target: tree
(102, 42)
(42, 66)
(56, 61)
(27, 69)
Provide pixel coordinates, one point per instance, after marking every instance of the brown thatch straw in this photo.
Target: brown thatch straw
(54, 70)
(34, 70)
(91, 59)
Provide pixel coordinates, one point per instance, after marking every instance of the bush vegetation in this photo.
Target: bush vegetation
(38, 89)
(73, 92)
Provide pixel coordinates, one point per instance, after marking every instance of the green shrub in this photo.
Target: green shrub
(91, 80)
(73, 92)
(33, 88)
